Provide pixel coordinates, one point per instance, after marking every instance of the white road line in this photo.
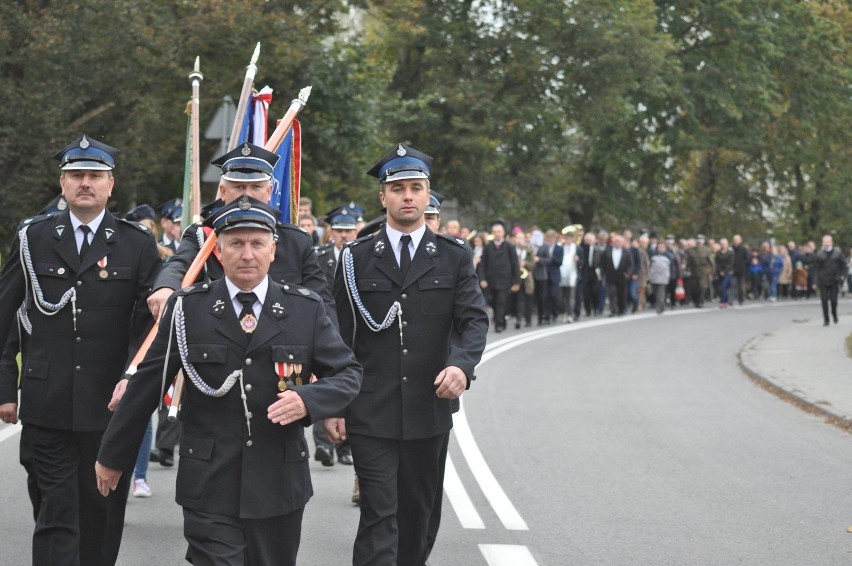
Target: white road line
(498, 499)
(507, 555)
(460, 500)
(9, 431)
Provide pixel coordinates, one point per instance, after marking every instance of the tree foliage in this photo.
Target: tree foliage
(682, 115)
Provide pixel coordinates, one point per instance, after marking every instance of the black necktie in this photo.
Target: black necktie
(404, 254)
(248, 322)
(85, 246)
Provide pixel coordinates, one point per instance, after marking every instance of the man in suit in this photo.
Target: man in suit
(247, 346)
(590, 263)
(410, 305)
(617, 266)
(548, 260)
(499, 272)
(831, 270)
(82, 285)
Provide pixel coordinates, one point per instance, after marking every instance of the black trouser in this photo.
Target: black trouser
(524, 305)
(591, 289)
(739, 282)
(828, 293)
(399, 481)
(499, 299)
(542, 299)
(220, 540)
(76, 525)
(617, 291)
(565, 305)
(437, 505)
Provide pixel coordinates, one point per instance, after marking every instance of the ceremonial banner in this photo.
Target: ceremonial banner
(288, 174)
(255, 127)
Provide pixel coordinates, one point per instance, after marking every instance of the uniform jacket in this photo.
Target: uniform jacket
(295, 262)
(327, 263)
(443, 323)
(498, 266)
(589, 270)
(219, 471)
(68, 375)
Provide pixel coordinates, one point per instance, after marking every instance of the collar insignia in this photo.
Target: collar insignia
(59, 229)
(379, 248)
(219, 306)
(109, 232)
(277, 310)
(431, 249)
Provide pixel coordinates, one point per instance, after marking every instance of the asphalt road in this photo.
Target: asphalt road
(634, 440)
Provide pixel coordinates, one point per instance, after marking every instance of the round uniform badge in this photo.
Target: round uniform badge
(248, 323)
(103, 274)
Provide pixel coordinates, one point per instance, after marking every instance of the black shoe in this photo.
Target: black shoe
(835, 319)
(517, 326)
(154, 456)
(323, 455)
(825, 323)
(167, 458)
(344, 458)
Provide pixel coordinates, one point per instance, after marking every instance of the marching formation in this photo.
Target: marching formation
(378, 341)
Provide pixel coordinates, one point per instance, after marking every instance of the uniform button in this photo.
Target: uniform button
(374, 285)
(204, 355)
(248, 361)
(249, 443)
(404, 323)
(250, 415)
(290, 356)
(405, 380)
(286, 287)
(78, 339)
(190, 450)
(405, 352)
(302, 453)
(79, 311)
(436, 281)
(248, 387)
(79, 283)
(77, 368)
(404, 296)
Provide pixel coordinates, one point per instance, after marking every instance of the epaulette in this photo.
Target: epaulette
(357, 241)
(34, 219)
(135, 225)
(453, 239)
(194, 288)
(293, 289)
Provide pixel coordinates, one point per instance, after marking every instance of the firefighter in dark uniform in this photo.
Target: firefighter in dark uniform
(409, 303)
(247, 346)
(247, 169)
(81, 277)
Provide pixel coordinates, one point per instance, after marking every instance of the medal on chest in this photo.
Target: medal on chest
(286, 373)
(102, 263)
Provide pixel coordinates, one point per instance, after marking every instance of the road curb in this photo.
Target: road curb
(791, 397)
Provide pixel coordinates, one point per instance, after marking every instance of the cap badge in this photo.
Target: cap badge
(244, 203)
(84, 143)
(246, 150)
(400, 151)
(62, 204)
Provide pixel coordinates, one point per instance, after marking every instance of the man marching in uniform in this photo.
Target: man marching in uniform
(248, 346)
(409, 303)
(80, 277)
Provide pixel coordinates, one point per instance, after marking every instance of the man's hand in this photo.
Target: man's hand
(515, 288)
(9, 413)
(157, 301)
(107, 478)
(483, 284)
(451, 383)
(335, 428)
(117, 394)
(289, 408)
